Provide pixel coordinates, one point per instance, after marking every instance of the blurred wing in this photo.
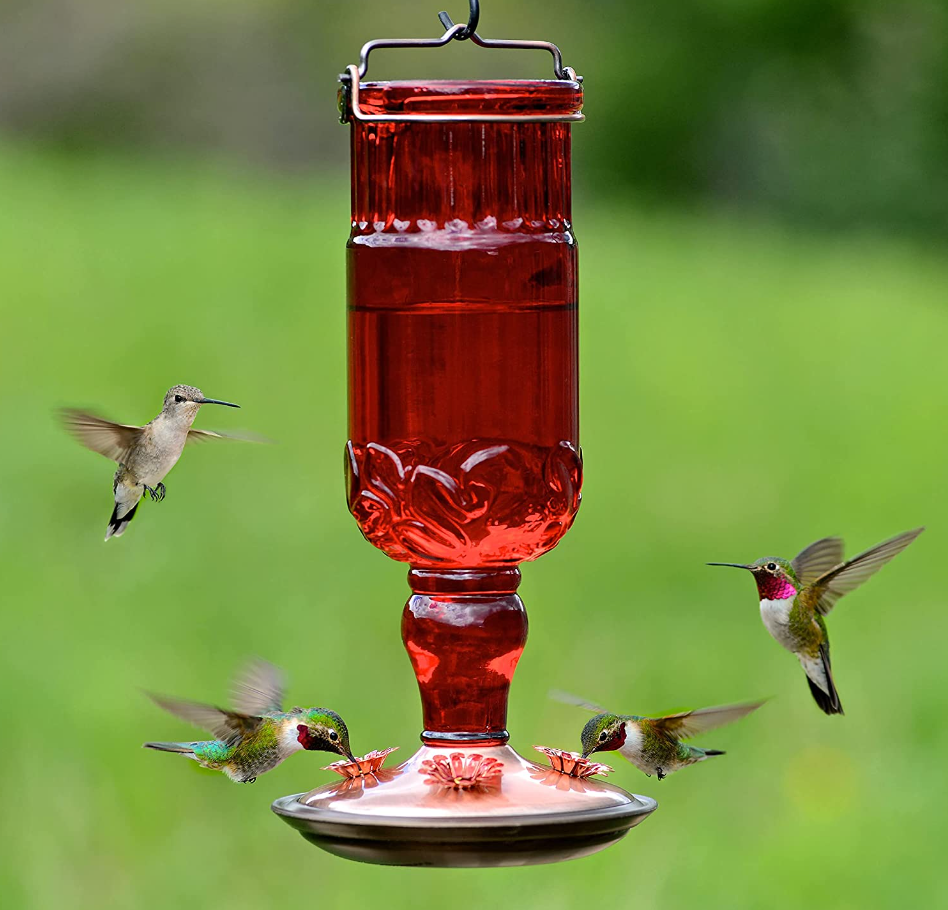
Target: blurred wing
(692, 723)
(259, 688)
(113, 440)
(817, 559)
(206, 435)
(225, 725)
(576, 701)
(852, 573)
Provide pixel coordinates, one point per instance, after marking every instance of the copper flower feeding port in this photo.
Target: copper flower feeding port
(460, 771)
(572, 764)
(463, 459)
(370, 764)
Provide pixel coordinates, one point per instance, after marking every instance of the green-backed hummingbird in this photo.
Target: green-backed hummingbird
(144, 454)
(796, 594)
(259, 734)
(654, 744)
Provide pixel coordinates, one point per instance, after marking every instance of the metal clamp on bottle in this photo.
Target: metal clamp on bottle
(349, 106)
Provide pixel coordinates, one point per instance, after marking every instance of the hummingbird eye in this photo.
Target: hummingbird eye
(602, 736)
(771, 567)
(179, 398)
(333, 735)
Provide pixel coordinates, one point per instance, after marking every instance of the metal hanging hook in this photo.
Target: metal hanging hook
(468, 30)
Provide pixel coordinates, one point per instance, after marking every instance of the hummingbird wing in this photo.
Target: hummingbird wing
(259, 688)
(206, 435)
(225, 725)
(692, 723)
(576, 701)
(829, 587)
(817, 559)
(113, 440)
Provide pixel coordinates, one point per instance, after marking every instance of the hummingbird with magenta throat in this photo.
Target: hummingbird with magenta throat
(654, 744)
(796, 594)
(145, 454)
(258, 734)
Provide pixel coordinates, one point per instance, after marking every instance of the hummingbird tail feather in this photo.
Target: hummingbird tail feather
(117, 525)
(828, 702)
(826, 697)
(714, 752)
(186, 748)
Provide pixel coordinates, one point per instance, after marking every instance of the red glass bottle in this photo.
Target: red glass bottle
(463, 369)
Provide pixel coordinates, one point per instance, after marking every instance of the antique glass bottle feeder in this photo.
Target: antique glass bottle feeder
(463, 459)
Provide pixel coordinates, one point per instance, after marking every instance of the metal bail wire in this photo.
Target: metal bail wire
(351, 78)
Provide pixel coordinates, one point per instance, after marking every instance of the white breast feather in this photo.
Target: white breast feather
(290, 736)
(776, 617)
(632, 747)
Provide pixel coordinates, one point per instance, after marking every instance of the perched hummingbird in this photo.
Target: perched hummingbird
(144, 454)
(259, 734)
(795, 595)
(653, 744)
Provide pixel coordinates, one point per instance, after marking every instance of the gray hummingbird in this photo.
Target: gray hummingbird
(795, 594)
(145, 454)
(258, 735)
(654, 744)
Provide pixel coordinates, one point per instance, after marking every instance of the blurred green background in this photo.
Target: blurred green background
(761, 203)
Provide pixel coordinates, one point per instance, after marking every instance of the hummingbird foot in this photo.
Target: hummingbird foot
(252, 779)
(661, 774)
(157, 494)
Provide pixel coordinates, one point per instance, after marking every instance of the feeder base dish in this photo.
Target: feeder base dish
(464, 807)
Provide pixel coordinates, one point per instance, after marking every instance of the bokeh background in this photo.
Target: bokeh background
(762, 206)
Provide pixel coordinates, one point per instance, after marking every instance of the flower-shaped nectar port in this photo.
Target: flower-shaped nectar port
(573, 764)
(370, 763)
(458, 771)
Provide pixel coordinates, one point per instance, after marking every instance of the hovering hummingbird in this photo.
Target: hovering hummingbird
(259, 734)
(653, 744)
(145, 454)
(796, 594)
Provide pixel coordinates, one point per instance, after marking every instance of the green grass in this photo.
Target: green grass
(744, 392)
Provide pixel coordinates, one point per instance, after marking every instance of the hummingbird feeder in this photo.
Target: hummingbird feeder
(463, 459)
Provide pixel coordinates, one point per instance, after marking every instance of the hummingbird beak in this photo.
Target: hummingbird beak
(226, 404)
(734, 565)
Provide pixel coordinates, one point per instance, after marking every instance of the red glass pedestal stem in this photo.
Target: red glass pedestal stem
(464, 631)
